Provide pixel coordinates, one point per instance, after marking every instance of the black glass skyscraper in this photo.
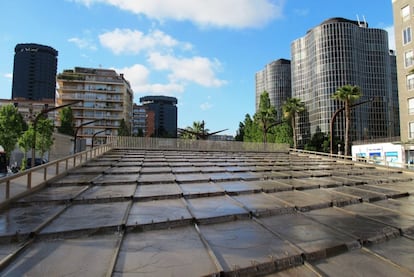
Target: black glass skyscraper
(165, 110)
(34, 72)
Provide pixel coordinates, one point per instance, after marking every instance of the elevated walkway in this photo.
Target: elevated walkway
(186, 212)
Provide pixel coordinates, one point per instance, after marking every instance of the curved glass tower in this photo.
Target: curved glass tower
(34, 72)
(339, 52)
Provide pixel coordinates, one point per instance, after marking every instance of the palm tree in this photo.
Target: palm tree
(347, 94)
(291, 108)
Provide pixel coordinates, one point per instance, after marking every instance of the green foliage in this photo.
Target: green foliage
(123, 129)
(25, 143)
(347, 94)
(319, 142)
(11, 127)
(265, 117)
(191, 132)
(66, 122)
(44, 135)
(291, 108)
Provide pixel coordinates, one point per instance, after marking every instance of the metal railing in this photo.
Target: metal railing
(18, 184)
(195, 145)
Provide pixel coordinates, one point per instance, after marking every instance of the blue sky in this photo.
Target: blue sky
(204, 52)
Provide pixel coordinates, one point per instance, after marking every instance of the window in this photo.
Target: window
(407, 35)
(411, 106)
(411, 130)
(408, 58)
(405, 12)
(410, 82)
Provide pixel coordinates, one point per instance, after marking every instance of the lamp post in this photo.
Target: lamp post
(43, 112)
(94, 135)
(76, 132)
(333, 118)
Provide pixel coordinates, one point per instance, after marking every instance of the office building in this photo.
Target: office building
(165, 114)
(342, 52)
(275, 79)
(403, 11)
(34, 72)
(106, 99)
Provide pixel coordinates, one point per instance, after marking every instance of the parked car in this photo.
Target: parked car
(38, 161)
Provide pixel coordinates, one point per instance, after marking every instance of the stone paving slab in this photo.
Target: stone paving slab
(388, 192)
(173, 252)
(239, 187)
(156, 178)
(354, 263)
(123, 170)
(244, 244)
(222, 176)
(155, 169)
(301, 200)
(89, 170)
(385, 216)
(403, 205)
(208, 188)
(73, 179)
(23, 220)
(158, 191)
(150, 212)
(298, 271)
(271, 185)
(365, 195)
(54, 194)
(109, 191)
(314, 239)
(86, 256)
(399, 251)
(261, 204)
(88, 216)
(361, 228)
(400, 186)
(336, 198)
(192, 177)
(214, 207)
(108, 179)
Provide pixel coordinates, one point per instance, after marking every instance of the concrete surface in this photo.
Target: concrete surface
(186, 213)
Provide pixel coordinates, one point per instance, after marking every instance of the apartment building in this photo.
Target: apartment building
(403, 12)
(105, 99)
(142, 121)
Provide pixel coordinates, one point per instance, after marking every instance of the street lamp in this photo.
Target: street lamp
(43, 112)
(76, 132)
(94, 135)
(333, 118)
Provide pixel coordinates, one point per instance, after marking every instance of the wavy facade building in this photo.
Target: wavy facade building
(336, 53)
(275, 79)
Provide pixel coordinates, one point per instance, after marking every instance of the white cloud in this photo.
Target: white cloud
(138, 76)
(206, 106)
(83, 43)
(8, 75)
(391, 37)
(199, 70)
(134, 41)
(218, 13)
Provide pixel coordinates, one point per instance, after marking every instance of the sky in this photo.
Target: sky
(203, 52)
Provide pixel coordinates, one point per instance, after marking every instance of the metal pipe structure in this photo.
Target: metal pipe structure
(77, 129)
(44, 111)
(333, 118)
(97, 133)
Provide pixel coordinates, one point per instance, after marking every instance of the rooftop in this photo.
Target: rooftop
(191, 213)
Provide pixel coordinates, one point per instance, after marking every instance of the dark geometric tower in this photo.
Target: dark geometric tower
(165, 110)
(34, 72)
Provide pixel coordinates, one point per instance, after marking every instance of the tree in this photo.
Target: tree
(123, 129)
(347, 94)
(11, 127)
(252, 132)
(319, 142)
(66, 122)
(44, 135)
(266, 115)
(196, 131)
(240, 132)
(283, 133)
(25, 144)
(291, 108)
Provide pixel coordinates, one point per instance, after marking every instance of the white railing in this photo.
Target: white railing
(18, 184)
